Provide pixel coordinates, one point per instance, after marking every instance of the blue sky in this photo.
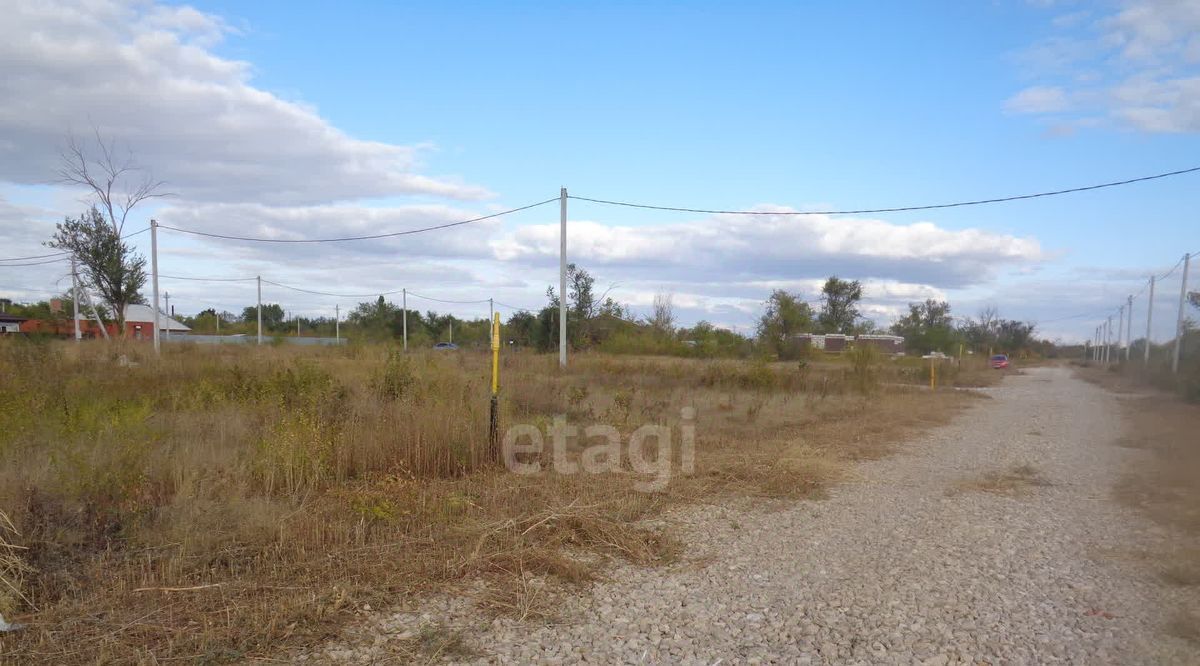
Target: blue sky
(476, 107)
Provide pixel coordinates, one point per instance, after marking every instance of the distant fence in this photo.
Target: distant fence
(249, 339)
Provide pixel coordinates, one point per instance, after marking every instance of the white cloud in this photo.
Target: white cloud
(1139, 66)
(143, 75)
(745, 247)
(246, 162)
(1038, 99)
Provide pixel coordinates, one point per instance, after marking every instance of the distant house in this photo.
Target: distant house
(139, 322)
(837, 343)
(888, 344)
(10, 323)
(139, 325)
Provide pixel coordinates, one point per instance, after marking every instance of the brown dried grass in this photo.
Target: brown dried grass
(225, 504)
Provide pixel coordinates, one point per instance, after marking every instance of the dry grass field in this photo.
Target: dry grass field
(227, 503)
(1164, 487)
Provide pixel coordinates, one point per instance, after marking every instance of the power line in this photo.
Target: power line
(34, 263)
(898, 209)
(442, 300)
(1081, 315)
(513, 307)
(207, 279)
(36, 256)
(356, 238)
(59, 254)
(325, 293)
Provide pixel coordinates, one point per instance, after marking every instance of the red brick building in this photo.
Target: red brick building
(139, 325)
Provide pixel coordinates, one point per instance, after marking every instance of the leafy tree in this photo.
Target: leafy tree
(272, 316)
(583, 308)
(107, 264)
(785, 316)
(1013, 336)
(927, 327)
(839, 305)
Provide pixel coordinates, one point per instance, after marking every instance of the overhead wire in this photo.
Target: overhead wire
(36, 256)
(206, 279)
(34, 263)
(443, 300)
(325, 293)
(1091, 313)
(343, 239)
(57, 254)
(514, 307)
(896, 209)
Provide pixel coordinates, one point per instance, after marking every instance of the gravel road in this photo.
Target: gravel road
(906, 563)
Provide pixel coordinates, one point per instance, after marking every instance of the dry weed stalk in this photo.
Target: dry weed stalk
(13, 569)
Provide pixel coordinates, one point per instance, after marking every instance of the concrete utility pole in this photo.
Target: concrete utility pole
(1107, 339)
(154, 270)
(1149, 321)
(75, 299)
(337, 322)
(1129, 328)
(260, 310)
(96, 314)
(1187, 260)
(1120, 331)
(491, 311)
(562, 278)
(404, 317)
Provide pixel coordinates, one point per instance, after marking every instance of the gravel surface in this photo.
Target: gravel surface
(909, 562)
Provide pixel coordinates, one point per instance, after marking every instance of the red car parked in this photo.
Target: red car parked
(999, 362)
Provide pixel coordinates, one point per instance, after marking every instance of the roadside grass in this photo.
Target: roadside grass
(223, 504)
(1162, 484)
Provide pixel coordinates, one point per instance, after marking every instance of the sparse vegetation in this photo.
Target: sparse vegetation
(227, 502)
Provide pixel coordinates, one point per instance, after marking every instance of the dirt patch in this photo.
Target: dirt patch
(1016, 481)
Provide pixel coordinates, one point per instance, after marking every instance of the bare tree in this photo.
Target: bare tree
(116, 185)
(663, 319)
